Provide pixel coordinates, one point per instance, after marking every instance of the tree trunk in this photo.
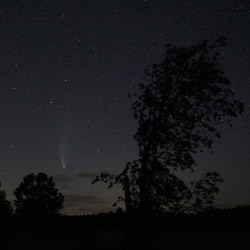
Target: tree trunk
(127, 192)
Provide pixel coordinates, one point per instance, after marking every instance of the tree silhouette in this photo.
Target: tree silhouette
(180, 109)
(5, 205)
(37, 196)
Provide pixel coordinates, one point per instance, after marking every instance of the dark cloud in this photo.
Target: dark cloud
(75, 199)
(86, 175)
(94, 210)
(62, 179)
(86, 210)
(221, 206)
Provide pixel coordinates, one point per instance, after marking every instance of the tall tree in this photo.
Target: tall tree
(179, 110)
(37, 196)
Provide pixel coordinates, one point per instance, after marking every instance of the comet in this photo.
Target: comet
(63, 154)
(63, 164)
(63, 147)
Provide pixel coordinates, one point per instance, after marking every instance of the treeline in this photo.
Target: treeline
(237, 218)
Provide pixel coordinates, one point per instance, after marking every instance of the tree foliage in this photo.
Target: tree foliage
(5, 205)
(37, 196)
(179, 110)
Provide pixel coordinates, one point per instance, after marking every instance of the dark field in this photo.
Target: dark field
(217, 229)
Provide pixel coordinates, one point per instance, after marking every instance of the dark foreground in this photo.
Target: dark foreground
(216, 229)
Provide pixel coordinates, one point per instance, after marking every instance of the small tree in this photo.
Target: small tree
(5, 205)
(179, 110)
(37, 196)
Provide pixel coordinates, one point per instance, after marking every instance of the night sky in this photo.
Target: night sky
(66, 69)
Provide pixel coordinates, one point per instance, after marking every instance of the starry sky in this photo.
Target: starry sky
(66, 69)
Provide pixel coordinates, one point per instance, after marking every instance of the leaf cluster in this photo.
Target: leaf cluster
(183, 101)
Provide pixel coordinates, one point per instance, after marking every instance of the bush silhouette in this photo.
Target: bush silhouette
(37, 196)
